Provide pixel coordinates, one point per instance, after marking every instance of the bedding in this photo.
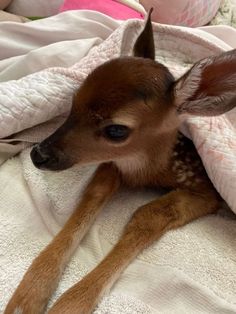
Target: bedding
(35, 8)
(116, 9)
(226, 15)
(186, 12)
(191, 269)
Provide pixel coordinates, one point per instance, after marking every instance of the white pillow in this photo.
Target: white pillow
(35, 7)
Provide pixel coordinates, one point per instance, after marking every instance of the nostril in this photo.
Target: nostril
(38, 157)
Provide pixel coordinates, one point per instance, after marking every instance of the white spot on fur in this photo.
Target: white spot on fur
(188, 183)
(190, 174)
(181, 178)
(186, 170)
(18, 310)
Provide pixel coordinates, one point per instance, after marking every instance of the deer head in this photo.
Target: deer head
(129, 107)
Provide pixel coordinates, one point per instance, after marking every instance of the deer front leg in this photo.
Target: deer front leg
(147, 225)
(42, 277)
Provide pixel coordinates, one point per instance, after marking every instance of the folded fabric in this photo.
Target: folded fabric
(190, 13)
(185, 12)
(5, 16)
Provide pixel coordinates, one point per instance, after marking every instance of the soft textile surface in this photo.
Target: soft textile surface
(115, 9)
(185, 12)
(191, 269)
(226, 14)
(189, 13)
(35, 8)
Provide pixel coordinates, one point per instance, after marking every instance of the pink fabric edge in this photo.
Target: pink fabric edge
(111, 8)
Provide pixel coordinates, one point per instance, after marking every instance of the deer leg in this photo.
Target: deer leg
(147, 225)
(41, 279)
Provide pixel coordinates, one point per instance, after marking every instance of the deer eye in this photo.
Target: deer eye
(116, 132)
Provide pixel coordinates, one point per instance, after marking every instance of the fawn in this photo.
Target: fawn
(125, 117)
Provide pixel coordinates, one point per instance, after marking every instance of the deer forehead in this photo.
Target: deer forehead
(127, 75)
(125, 90)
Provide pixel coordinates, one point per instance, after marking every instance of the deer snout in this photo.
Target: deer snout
(49, 158)
(41, 158)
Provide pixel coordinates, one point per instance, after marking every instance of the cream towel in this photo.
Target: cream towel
(190, 270)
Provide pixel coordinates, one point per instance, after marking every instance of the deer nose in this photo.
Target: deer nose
(41, 157)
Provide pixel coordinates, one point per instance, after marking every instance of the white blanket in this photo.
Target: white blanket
(190, 270)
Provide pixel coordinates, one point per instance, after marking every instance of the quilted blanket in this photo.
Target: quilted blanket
(195, 265)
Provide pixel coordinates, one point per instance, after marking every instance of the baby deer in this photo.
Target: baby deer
(125, 117)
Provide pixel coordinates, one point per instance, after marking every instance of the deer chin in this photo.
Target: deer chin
(132, 164)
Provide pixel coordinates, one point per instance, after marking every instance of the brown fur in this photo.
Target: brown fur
(141, 94)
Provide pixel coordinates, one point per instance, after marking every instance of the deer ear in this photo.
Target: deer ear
(209, 87)
(144, 45)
